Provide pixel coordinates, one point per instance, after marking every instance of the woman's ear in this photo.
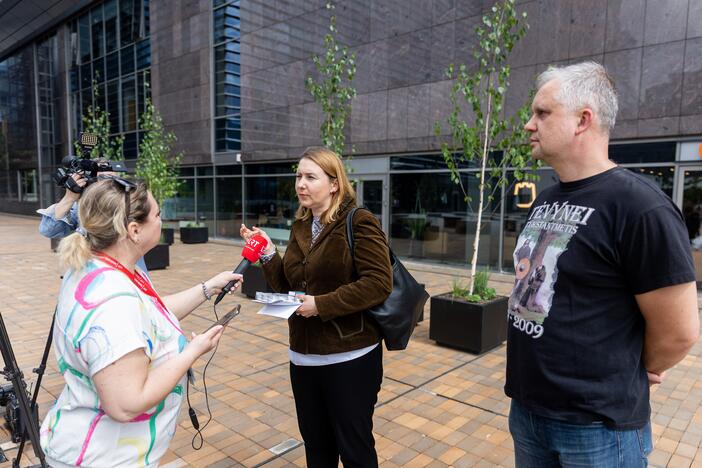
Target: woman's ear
(133, 231)
(334, 186)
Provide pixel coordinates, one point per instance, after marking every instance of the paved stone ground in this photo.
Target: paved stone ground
(438, 406)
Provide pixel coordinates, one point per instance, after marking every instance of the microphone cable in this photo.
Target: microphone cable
(191, 411)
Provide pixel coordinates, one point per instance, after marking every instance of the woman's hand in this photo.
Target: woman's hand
(215, 284)
(205, 342)
(308, 308)
(247, 234)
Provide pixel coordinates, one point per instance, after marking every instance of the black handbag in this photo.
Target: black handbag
(398, 315)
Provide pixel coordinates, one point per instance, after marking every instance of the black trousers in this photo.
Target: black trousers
(335, 406)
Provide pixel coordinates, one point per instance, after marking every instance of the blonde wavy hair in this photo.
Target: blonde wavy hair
(333, 166)
(102, 213)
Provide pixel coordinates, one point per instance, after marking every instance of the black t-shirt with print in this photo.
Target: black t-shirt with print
(576, 333)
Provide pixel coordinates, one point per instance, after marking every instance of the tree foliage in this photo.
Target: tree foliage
(155, 165)
(489, 140)
(333, 92)
(97, 121)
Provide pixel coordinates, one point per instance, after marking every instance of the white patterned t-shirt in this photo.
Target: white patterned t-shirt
(102, 316)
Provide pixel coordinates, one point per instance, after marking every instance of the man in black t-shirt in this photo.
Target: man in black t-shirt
(604, 300)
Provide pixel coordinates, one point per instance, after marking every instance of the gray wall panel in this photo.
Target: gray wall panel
(180, 80)
(625, 24)
(661, 80)
(665, 21)
(404, 47)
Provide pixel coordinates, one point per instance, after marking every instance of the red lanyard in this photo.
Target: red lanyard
(138, 280)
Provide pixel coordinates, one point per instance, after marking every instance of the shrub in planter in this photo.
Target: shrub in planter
(476, 327)
(474, 322)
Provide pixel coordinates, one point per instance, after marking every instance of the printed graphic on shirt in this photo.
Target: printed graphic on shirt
(544, 238)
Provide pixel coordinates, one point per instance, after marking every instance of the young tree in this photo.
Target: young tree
(155, 165)
(490, 140)
(333, 92)
(97, 121)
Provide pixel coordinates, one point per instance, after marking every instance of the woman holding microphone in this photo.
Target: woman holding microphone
(118, 344)
(336, 362)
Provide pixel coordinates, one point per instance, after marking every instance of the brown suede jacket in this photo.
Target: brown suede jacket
(341, 290)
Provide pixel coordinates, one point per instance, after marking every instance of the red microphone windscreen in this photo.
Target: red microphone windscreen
(253, 248)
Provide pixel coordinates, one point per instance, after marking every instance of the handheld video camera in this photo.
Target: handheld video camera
(84, 165)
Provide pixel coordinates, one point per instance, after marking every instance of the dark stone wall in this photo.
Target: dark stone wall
(653, 49)
(181, 73)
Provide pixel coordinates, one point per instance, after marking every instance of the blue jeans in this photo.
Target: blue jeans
(544, 442)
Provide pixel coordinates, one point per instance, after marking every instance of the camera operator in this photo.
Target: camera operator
(119, 346)
(61, 219)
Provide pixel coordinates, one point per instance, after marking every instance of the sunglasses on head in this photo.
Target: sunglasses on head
(127, 186)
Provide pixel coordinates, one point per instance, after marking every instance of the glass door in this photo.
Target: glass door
(692, 211)
(371, 192)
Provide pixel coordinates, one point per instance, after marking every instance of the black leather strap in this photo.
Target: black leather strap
(349, 230)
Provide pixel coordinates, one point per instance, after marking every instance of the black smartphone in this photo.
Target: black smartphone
(227, 317)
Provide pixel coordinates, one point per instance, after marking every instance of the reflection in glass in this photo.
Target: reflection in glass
(127, 58)
(113, 105)
(692, 211)
(18, 138)
(228, 134)
(373, 197)
(430, 219)
(110, 7)
(182, 206)
(130, 145)
(271, 203)
(112, 65)
(129, 116)
(661, 176)
(128, 22)
(229, 206)
(98, 32)
(205, 202)
(84, 33)
(663, 151)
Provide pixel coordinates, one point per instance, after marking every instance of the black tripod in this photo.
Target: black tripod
(27, 410)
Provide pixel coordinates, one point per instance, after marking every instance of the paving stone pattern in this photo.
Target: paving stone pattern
(437, 407)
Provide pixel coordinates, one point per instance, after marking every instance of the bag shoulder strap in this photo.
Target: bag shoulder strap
(349, 230)
(349, 234)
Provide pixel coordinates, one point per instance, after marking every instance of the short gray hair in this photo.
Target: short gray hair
(585, 84)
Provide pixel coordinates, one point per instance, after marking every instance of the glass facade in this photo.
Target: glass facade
(18, 137)
(102, 57)
(51, 144)
(110, 52)
(227, 76)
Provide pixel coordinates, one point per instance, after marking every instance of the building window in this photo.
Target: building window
(110, 45)
(227, 82)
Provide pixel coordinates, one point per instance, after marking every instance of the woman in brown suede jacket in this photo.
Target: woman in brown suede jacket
(336, 362)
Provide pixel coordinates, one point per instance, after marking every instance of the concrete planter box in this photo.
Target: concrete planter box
(167, 235)
(194, 235)
(470, 326)
(254, 281)
(157, 258)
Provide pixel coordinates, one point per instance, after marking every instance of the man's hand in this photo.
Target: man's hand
(654, 379)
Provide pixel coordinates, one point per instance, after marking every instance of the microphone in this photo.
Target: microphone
(251, 253)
